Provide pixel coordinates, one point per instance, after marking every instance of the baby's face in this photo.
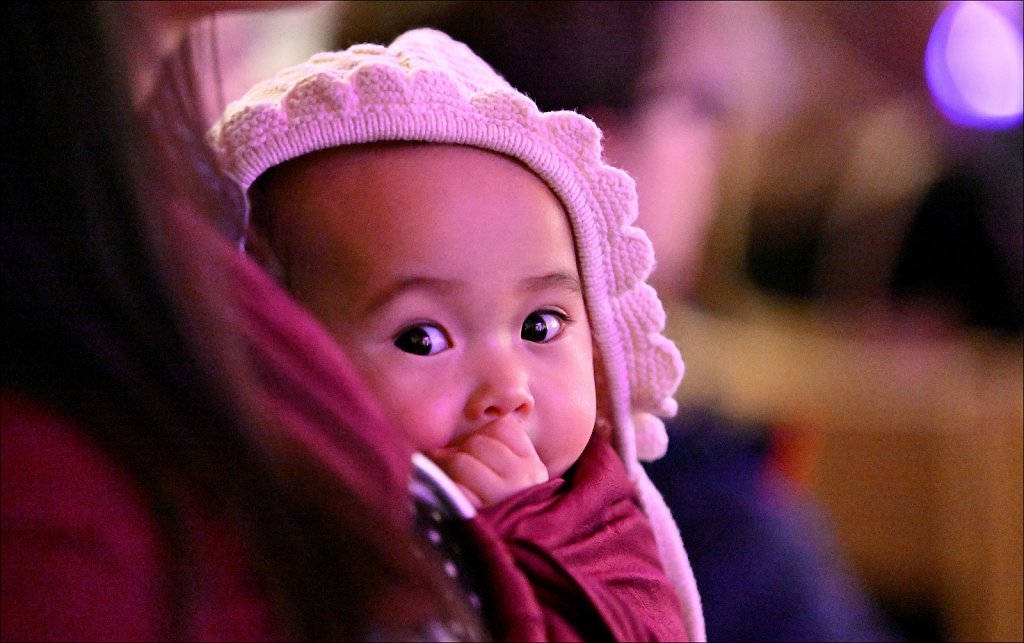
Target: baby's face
(449, 277)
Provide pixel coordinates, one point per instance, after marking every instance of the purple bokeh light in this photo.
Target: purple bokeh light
(974, 65)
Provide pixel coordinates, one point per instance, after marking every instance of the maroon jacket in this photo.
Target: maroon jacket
(82, 554)
(589, 560)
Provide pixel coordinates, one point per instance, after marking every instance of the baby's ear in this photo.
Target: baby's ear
(259, 248)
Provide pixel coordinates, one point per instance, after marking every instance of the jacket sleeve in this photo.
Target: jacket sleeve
(589, 555)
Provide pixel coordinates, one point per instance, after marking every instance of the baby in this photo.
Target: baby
(476, 260)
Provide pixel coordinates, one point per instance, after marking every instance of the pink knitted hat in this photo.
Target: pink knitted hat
(426, 87)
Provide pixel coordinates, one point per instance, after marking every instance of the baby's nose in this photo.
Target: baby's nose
(503, 389)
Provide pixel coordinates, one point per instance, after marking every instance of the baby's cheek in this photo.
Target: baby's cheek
(425, 420)
(565, 431)
(423, 436)
(429, 424)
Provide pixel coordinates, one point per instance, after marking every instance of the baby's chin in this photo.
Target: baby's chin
(558, 467)
(559, 463)
(556, 471)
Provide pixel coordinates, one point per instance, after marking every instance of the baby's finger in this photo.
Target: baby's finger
(522, 470)
(470, 495)
(468, 471)
(512, 435)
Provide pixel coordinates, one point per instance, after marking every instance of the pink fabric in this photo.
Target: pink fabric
(589, 556)
(82, 553)
(82, 556)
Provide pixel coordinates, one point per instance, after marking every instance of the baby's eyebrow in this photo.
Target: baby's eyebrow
(404, 284)
(564, 280)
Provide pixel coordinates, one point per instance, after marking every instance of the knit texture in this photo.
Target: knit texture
(426, 87)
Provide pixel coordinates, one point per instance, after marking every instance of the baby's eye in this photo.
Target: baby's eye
(424, 339)
(542, 326)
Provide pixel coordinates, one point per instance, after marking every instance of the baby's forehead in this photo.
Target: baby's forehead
(381, 194)
(393, 169)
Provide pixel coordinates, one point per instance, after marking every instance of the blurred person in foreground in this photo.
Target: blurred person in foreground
(761, 552)
(185, 453)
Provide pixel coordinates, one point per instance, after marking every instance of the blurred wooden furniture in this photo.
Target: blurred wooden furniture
(918, 456)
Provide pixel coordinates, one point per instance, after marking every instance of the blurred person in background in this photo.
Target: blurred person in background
(185, 453)
(656, 82)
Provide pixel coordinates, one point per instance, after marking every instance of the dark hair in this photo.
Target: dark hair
(110, 315)
(565, 55)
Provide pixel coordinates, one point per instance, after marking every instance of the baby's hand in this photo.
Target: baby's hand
(493, 463)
